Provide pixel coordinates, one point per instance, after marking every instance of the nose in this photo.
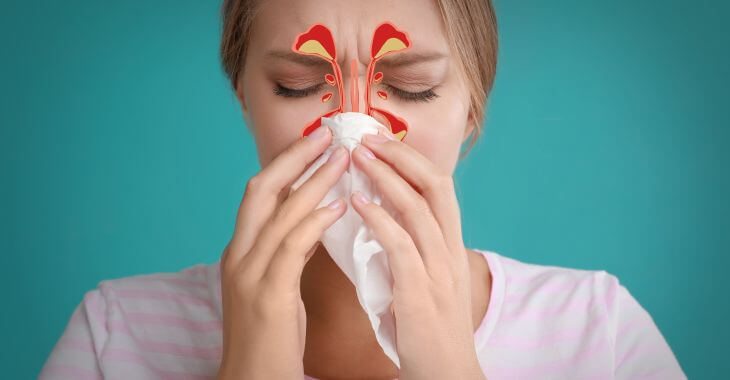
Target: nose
(354, 92)
(354, 89)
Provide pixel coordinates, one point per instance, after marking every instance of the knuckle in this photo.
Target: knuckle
(417, 208)
(241, 278)
(241, 285)
(227, 269)
(444, 183)
(296, 148)
(225, 257)
(402, 242)
(314, 224)
(439, 184)
(320, 216)
(283, 213)
(290, 243)
(255, 183)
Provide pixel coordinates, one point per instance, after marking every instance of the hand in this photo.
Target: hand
(264, 322)
(427, 258)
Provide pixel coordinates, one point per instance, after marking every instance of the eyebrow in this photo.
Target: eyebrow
(394, 60)
(391, 60)
(302, 59)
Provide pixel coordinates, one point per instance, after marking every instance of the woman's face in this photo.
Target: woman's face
(437, 124)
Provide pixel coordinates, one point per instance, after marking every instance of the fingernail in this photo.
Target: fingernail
(338, 153)
(319, 132)
(377, 139)
(366, 152)
(361, 198)
(334, 204)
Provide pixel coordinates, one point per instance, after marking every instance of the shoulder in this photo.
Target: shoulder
(169, 318)
(195, 279)
(161, 299)
(588, 315)
(563, 294)
(555, 296)
(531, 276)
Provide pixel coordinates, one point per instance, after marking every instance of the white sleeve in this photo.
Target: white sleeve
(640, 350)
(75, 355)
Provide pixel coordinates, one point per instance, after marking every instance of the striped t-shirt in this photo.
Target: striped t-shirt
(544, 322)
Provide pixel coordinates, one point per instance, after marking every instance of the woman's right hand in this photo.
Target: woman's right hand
(264, 322)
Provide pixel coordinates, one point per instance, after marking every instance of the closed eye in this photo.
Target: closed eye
(297, 93)
(422, 96)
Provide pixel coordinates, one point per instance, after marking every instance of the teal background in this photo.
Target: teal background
(123, 152)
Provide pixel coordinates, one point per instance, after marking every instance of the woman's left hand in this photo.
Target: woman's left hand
(427, 258)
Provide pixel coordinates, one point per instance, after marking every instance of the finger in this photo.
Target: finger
(285, 267)
(428, 180)
(403, 258)
(297, 206)
(415, 212)
(263, 191)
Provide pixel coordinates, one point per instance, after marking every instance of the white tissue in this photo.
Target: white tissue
(349, 241)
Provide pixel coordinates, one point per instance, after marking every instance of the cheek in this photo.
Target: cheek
(270, 129)
(276, 122)
(437, 131)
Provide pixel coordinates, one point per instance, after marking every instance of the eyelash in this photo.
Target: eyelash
(292, 93)
(423, 96)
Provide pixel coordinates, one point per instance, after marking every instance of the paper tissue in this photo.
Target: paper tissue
(349, 241)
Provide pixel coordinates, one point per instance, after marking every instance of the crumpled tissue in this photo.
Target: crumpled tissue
(349, 241)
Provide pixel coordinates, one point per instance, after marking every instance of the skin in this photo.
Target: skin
(288, 309)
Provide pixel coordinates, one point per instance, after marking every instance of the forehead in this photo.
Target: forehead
(352, 23)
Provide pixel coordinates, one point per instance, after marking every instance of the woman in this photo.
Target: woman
(276, 306)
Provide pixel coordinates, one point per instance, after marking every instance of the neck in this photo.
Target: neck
(328, 295)
(338, 329)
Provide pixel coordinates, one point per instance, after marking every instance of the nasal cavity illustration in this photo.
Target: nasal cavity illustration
(387, 39)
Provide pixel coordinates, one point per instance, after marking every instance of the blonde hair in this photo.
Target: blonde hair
(471, 26)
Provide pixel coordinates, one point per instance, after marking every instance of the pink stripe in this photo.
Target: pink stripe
(169, 347)
(546, 291)
(660, 374)
(68, 371)
(648, 345)
(163, 296)
(136, 358)
(181, 349)
(629, 353)
(78, 316)
(95, 307)
(636, 323)
(76, 344)
(575, 306)
(549, 290)
(197, 270)
(611, 293)
(539, 370)
(170, 320)
(174, 281)
(518, 341)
